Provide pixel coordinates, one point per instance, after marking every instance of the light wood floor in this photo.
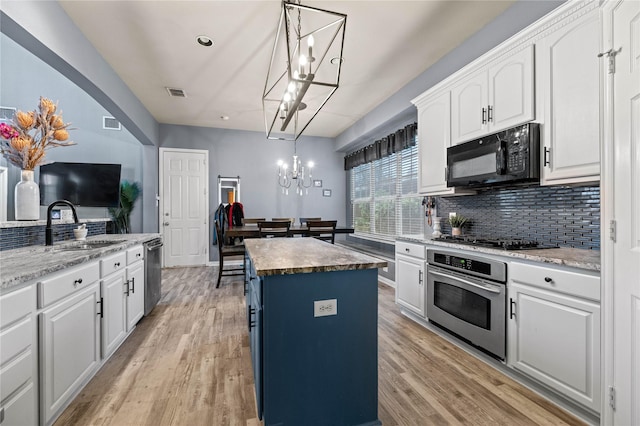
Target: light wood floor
(188, 363)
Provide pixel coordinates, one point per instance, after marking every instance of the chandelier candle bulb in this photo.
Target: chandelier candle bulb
(310, 43)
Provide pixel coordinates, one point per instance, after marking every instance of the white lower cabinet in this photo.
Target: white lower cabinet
(114, 320)
(19, 410)
(554, 330)
(410, 277)
(69, 348)
(135, 294)
(18, 358)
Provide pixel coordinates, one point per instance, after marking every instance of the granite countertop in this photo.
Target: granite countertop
(564, 256)
(280, 256)
(20, 266)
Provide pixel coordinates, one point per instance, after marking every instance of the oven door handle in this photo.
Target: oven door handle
(489, 289)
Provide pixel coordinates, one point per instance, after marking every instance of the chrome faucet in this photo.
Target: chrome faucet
(48, 232)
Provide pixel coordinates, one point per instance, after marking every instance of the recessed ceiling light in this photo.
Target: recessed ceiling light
(205, 41)
(224, 117)
(336, 60)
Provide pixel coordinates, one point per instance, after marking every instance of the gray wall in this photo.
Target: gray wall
(23, 79)
(252, 157)
(396, 107)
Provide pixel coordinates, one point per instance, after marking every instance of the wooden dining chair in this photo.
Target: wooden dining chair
(324, 230)
(252, 220)
(304, 220)
(274, 228)
(282, 219)
(225, 250)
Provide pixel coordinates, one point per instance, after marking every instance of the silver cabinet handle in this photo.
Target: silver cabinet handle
(420, 277)
(489, 289)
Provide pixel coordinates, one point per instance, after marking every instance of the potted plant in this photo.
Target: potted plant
(457, 222)
(129, 193)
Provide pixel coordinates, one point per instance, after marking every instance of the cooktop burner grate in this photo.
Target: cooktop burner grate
(499, 243)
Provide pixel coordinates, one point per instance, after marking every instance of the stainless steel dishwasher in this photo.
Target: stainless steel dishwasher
(152, 274)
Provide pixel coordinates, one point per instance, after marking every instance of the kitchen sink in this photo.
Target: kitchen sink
(88, 245)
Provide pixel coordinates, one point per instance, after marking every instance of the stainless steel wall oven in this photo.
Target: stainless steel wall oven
(466, 294)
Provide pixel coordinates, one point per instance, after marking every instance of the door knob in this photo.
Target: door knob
(166, 224)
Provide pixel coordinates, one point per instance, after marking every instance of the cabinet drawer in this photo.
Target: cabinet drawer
(58, 286)
(585, 285)
(15, 340)
(113, 263)
(134, 254)
(16, 305)
(21, 409)
(15, 374)
(411, 249)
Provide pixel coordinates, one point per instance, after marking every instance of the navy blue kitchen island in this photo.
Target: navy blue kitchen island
(312, 311)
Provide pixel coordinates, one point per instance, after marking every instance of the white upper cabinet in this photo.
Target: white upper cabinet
(434, 137)
(433, 117)
(568, 76)
(469, 112)
(494, 98)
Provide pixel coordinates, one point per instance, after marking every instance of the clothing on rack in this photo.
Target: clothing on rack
(236, 214)
(221, 216)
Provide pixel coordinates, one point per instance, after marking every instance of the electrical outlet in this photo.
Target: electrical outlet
(323, 308)
(451, 214)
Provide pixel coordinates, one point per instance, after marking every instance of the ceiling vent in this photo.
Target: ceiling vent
(110, 123)
(177, 93)
(6, 113)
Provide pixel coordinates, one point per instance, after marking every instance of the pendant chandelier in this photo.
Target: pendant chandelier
(295, 176)
(304, 70)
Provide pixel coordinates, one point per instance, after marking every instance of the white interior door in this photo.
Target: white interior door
(184, 214)
(622, 31)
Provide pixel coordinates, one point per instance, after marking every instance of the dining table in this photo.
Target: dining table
(252, 231)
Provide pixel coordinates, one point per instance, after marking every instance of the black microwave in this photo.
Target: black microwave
(510, 156)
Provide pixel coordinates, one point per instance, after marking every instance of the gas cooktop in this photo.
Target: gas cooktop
(498, 243)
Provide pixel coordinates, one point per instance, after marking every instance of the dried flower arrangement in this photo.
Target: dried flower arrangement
(25, 143)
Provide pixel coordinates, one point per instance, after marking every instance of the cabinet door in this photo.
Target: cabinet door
(69, 348)
(511, 93)
(114, 323)
(254, 323)
(469, 108)
(569, 75)
(434, 137)
(410, 284)
(555, 338)
(135, 298)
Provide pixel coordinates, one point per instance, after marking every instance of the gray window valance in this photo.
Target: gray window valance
(401, 139)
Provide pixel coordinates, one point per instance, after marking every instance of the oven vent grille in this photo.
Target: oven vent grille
(110, 123)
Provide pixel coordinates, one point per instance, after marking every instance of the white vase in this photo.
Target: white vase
(436, 227)
(27, 197)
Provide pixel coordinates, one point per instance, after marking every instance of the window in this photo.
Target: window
(384, 196)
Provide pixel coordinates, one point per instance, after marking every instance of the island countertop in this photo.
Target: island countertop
(280, 256)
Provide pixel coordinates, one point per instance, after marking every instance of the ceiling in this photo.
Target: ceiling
(152, 45)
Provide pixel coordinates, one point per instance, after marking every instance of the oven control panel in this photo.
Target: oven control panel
(470, 264)
(463, 263)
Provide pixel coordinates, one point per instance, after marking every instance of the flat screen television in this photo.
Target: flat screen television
(83, 184)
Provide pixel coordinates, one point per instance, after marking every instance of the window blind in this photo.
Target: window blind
(384, 196)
